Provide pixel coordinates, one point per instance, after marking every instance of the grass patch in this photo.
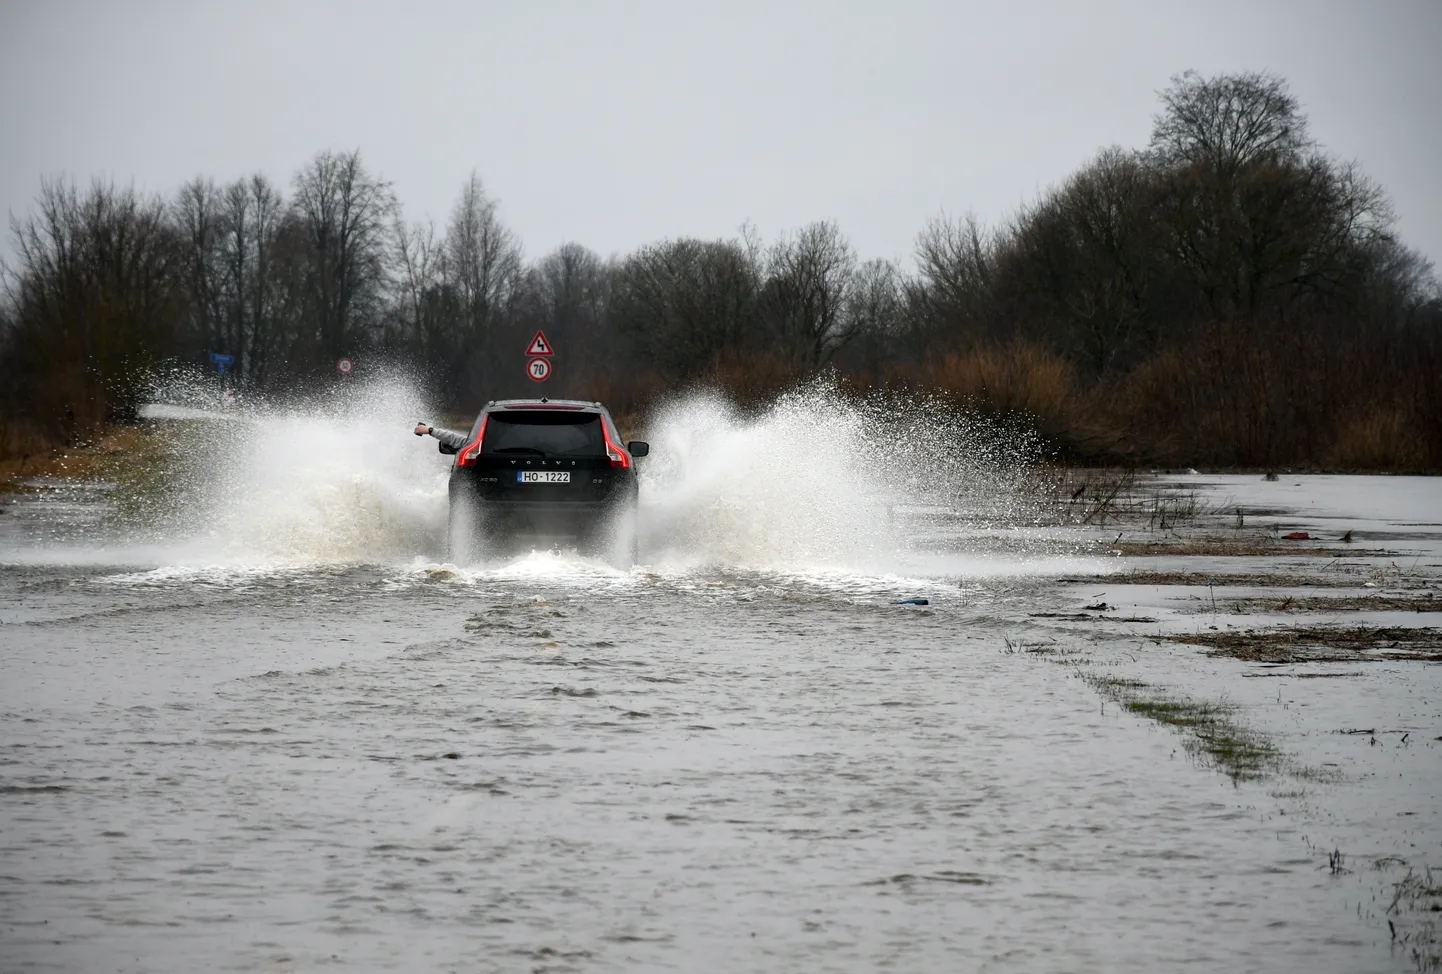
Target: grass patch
(1102, 497)
(151, 477)
(1237, 579)
(1417, 906)
(143, 468)
(89, 460)
(1346, 603)
(1211, 734)
(1084, 617)
(1047, 648)
(1319, 644)
(125, 455)
(1115, 683)
(1255, 547)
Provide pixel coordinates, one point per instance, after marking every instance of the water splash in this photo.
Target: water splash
(816, 480)
(340, 478)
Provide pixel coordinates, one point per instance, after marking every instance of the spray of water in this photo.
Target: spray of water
(820, 478)
(339, 478)
(816, 479)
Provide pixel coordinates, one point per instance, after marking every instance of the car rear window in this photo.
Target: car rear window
(553, 432)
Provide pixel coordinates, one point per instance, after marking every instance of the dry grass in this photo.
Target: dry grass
(1017, 378)
(21, 438)
(64, 410)
(1236, 580)
(1382, 438)
(1257, 394)
(1325, 604)
(1105, 496)
(1258, 547)
(1301, 644)
(86, 461)
(754, 379)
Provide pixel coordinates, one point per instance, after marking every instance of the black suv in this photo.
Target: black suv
(544, 470)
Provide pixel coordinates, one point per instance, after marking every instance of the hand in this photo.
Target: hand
(422, 429)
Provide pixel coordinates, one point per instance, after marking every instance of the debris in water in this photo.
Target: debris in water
(914, 602)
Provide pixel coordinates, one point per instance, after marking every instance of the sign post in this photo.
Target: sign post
(538, 358)
(221, 361)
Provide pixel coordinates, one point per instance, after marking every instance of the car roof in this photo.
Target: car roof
(577, 404)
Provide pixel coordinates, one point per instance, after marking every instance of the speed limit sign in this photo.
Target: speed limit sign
(344, 366)
(539, 369)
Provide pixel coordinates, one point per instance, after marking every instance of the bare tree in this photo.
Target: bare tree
(875, 314)
(235, 306)
(1259, 219)
(1080, 266)
(427, 316)
(1228, 122)
(96, 298)
(952, 297)
(685, 304)
(565, 295)
(264, 312)
(198, 215)
(1277, 236)
(485, 259)
(344, 212)
(568, 288)
(805, 296)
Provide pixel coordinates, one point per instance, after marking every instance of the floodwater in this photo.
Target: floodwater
(271, 729)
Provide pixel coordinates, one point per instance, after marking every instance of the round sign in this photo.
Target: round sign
(344, 366)
(538, 369)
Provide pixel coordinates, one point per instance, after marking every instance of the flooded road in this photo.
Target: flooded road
(224, 754)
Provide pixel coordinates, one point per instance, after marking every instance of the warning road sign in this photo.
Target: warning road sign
(538, 369)
(540, 345)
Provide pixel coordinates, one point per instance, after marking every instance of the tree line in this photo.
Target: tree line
(1228, 294)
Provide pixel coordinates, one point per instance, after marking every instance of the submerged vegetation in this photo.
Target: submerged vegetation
(1211, 732)
(1417, 905)
(1228, 294)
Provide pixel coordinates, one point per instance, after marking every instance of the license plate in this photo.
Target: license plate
(543, 476)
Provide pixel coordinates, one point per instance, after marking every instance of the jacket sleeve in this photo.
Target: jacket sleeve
(450, 438)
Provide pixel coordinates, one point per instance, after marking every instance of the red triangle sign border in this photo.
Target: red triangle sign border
(540, 345)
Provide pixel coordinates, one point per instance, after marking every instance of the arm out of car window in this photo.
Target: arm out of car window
(449, 438)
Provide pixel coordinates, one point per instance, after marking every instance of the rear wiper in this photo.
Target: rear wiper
(520, 449)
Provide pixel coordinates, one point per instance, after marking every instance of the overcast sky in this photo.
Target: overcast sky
(624, 122)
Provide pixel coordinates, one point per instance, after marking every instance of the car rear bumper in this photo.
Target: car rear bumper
(555, 519)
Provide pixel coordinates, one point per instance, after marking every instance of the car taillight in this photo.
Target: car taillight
(620, 459)
(469, 452)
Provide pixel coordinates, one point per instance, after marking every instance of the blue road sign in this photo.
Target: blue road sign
(221, 361)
